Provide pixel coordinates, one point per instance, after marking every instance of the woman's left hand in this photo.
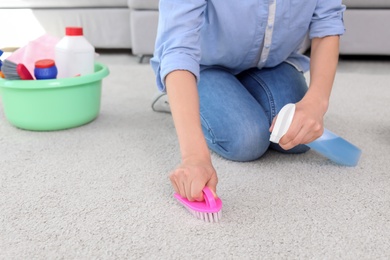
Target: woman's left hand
(307, 124)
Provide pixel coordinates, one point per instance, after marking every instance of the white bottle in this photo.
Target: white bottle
(74, 55)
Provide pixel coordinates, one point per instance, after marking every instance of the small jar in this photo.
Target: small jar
(45, 69)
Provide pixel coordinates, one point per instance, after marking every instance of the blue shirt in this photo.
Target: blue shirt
(238, 35)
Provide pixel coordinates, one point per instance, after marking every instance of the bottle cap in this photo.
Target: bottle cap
(74, 31)
(45, 63)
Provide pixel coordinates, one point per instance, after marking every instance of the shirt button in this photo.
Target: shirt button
(270, 26)
(263, 61)
(267, 46)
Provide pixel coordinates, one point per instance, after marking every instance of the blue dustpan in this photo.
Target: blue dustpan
(329, 144)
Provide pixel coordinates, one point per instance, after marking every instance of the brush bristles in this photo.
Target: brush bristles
(205, 216)
(9, 70)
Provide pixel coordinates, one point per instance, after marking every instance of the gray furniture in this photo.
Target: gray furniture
(367, 28)
(143, 23)
(132, 24)
(366, 23)
(106, 23)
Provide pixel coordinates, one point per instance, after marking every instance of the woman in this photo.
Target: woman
(229, 66)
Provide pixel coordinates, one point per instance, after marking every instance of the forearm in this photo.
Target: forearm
(307, 124)
(184, 103)
(323, 65)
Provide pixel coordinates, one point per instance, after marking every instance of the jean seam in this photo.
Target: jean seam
(212, 135)
(271, 100)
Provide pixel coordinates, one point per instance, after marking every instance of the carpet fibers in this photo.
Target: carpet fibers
(101, 191)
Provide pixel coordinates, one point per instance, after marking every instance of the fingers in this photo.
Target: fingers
(176, 183)
(292, 138)
(301, 134)
(212, 184)
(273, 124)
(185, 186)
(196, 191)
(189, 182)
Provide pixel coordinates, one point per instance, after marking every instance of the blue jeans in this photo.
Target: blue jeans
(237, 110)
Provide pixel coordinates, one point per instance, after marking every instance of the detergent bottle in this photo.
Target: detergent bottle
(74, 55)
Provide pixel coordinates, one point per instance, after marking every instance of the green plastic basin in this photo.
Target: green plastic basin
(57, 104)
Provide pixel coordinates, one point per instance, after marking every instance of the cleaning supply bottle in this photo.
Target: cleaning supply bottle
(74, 55)
(336, 149)
(329, 144)
(45, 69)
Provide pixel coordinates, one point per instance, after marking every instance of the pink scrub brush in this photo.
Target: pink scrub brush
(208, 210)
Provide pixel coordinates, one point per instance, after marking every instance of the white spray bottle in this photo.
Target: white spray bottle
(329, 144)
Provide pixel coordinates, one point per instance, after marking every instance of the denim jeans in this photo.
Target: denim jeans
(237, 110)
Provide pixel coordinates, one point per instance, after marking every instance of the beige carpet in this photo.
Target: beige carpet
(101, 191)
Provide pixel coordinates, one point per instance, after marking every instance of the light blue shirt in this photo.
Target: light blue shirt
(239, 34)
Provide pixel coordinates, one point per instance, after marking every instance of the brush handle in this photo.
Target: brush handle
(209, 197)
(23, 72)
(210, 204)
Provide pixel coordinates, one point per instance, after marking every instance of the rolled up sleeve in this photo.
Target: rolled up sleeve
(178, 38)
(327, 19)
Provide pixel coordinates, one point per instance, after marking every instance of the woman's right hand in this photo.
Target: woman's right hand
(190, 177)
(196, 170)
